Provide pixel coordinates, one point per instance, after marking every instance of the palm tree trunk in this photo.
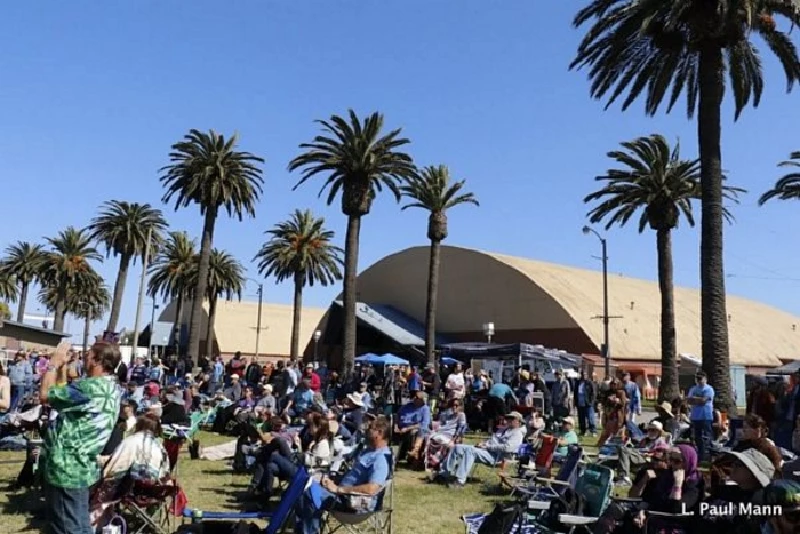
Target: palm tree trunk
(176, 325)
(714, 317)
(669, 359)
(350, 293)
(212, 317)
(119, 292)
(207, 241)
(430, 305)
(299, 282)
(23, 299)
(60, 309)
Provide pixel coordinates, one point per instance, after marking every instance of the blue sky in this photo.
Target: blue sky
(93, 94)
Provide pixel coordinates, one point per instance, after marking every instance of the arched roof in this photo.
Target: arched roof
(521, 294)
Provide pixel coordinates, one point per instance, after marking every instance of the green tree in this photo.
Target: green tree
(652, 180)
(208, 170)
(65, 267)
(21, 265)
(357, 161)
(300, 249)
(8, 287)
(171, 273)
(662, 49)
(788, 186)
(225, 279)
(122, 228)
(5, 312)
(431, 190)
(87, 295)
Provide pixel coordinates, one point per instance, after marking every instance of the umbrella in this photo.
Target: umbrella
(449, 361)
(386, 359)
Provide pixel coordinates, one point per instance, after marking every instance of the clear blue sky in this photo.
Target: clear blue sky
(93, 94)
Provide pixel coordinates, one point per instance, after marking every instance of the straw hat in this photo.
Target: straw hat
(569, 421)
(355, 398)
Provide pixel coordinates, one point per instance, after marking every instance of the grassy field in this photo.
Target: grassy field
(420, 507)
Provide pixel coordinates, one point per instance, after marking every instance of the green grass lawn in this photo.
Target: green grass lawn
(420, 507)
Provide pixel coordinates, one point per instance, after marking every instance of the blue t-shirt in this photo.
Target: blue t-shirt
(632, 392)
(414, 382)
(303, 399)
(500, 390)
(704, 412)
(413, 415)
(372, 467)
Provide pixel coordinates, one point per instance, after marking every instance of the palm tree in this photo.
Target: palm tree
(357, 161)
(431, 190)
(207, 170)
(88, 295)
(655, 182)
(661, 49)
(788, 186)
(300, 249)
(22, 263)
(171, 273)
(8, 286)
(225, 278)
(65, 267)
(123, 228)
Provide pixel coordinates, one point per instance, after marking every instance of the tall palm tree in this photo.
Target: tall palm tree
(8, 286)
(208, 170)
(122, 228)
(651, 179)
(788, 186)
(22, 263)
(225, 279)
(65, 267)
(171, 273)
(432, 190)
(358, 161)
(87, 296)
(661, 49)
(300, 249)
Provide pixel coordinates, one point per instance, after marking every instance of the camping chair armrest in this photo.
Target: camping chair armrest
(552, 481)
(540, 506)
(576, 520)
(632, 500)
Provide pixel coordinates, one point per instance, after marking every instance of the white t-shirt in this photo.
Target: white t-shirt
(455, 385)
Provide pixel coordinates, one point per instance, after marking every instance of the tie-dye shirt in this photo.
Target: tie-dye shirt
(87, 410)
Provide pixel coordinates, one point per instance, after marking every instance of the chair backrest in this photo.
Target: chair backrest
(288, 501)
(546, 451)
(388, 488)
(569, 469)
(595, 485)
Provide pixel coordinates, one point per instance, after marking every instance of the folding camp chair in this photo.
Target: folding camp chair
(278, 520)
(378, 521)
(541, 467)
(595, 485)
(150, 507)
(543, 490)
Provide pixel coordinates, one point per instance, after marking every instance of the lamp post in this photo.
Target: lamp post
(88, 307)
(606, 348)
(488, 331)
(258, 320)
(152, 324)
(317, 336)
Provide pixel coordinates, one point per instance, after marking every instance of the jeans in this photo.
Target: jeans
(628, 456)
(279, 466)
(277, 445)
(586, 416)
(461, 459)
(702, 438)
(68, 510)
(17, 394)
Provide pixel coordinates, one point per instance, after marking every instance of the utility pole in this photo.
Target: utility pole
(88, 307)
(606, 347)
(152, 324)
(140, 302)
(258, 323)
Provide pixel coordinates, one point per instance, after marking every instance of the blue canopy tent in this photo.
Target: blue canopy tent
(385, 359)
(449, 361)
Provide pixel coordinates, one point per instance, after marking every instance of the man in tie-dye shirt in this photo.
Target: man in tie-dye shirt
(87, 410)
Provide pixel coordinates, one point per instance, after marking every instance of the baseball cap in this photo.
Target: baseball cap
(514, 415)
(759, 465)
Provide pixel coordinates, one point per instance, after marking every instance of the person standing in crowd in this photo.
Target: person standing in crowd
(584, 402)
(701, 398)
(87, 411)
(252, 374)
(316, 381)
(432, 384)
(238, 366)
(5, 394)
(18, 373)
(217, 376)
(540, 387)
(122, 373)
(414, 382)
(138, 373)
(496, 407)
(634, 395)
(559, 395)
(455, 383)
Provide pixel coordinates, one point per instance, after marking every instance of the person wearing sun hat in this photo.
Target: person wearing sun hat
(637, 457)
(566, 436)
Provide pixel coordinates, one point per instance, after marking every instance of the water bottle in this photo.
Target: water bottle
(197, 522)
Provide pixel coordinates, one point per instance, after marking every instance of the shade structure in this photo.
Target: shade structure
(450, 361)
(384, 359)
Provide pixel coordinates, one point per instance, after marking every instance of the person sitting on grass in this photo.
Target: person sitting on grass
(638, 456)
(414, 426)
(367, 477)
(461, 458)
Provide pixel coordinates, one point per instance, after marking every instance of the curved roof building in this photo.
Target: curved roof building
(560, 307)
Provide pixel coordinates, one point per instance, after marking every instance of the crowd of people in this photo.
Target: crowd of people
(108, 423)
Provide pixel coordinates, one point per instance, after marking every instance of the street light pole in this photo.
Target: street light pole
(606, 347)
(317, 336)
(152, 324)
(258, 323)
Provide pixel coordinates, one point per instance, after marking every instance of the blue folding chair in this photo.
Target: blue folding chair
(544, 490)
(278, 519)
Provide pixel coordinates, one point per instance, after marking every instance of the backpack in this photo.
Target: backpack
(571, 503)
(503, 519)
